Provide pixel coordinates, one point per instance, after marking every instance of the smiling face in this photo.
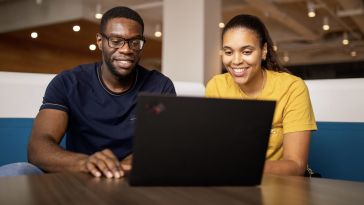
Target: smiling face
(120, 62)
(242, 55)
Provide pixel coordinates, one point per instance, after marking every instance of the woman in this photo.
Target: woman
(255, 73)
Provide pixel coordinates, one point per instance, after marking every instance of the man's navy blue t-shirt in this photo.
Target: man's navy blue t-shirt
(98, 118)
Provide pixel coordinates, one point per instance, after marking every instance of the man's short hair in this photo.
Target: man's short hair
(121, 12)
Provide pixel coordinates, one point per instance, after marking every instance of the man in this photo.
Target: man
(94, 104)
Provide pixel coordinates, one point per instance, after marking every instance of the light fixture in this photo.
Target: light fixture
(38, 2)
(92, 47)
(286, 57)
(76, 28)
(275, 47)
(345, 39)
(311, 9)
(98, 14)
(325, 25)
(221, 25)
(158, 32)
(353, 53)
(34, 35)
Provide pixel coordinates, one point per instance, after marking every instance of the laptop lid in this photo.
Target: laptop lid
(194, 141)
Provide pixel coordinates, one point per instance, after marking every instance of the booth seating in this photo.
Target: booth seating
(21, 95)
(336, 150)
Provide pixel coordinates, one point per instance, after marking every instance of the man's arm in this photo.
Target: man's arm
(44, 150)
(295, 155)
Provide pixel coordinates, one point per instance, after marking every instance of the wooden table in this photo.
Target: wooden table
(78, 188)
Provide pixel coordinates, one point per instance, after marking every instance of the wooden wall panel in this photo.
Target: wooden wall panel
(58, 48)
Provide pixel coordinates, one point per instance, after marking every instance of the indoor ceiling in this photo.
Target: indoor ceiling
(299, 38)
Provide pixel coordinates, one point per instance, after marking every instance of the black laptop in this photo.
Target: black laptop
(196, 141)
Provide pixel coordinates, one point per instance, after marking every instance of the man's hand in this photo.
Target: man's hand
(126, 163)
(104, 163)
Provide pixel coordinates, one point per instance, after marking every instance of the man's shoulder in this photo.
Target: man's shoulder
(150, 72)
(153, 81)
(83, 71)
(151, 75)
(83, 68)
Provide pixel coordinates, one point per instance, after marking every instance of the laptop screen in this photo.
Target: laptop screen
(195, 141)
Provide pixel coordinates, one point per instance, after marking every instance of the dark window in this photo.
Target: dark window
(329, 71)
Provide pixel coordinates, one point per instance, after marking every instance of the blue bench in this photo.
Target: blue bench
(337, 150)
(14, 136)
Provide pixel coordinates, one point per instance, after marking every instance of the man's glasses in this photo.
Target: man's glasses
(118, 42)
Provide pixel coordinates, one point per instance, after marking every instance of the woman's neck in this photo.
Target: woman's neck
(255, 87)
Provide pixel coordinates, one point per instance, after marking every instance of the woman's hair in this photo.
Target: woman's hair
(253, 23)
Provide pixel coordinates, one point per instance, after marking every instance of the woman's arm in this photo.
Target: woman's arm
(295, 155)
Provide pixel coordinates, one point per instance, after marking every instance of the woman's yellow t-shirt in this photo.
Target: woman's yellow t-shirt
(293, 110)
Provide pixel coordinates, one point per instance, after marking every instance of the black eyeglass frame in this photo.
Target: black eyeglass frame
(122, 42)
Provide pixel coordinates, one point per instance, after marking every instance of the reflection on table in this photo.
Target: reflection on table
(78, 188)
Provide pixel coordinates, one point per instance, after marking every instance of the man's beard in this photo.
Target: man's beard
(113, 70)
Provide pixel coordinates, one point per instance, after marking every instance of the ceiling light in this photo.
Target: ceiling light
(325, 25)
(34, 35)
(285, 57)
(345, 39)
(76, 28)
(353, 53)
(221, 25)
(98, 14)
(158, 32)
(275, 47)
(311, 10)
(92, 47)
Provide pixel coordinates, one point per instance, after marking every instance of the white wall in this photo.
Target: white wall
(189, 89)
(337, 100)
(21, 94)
